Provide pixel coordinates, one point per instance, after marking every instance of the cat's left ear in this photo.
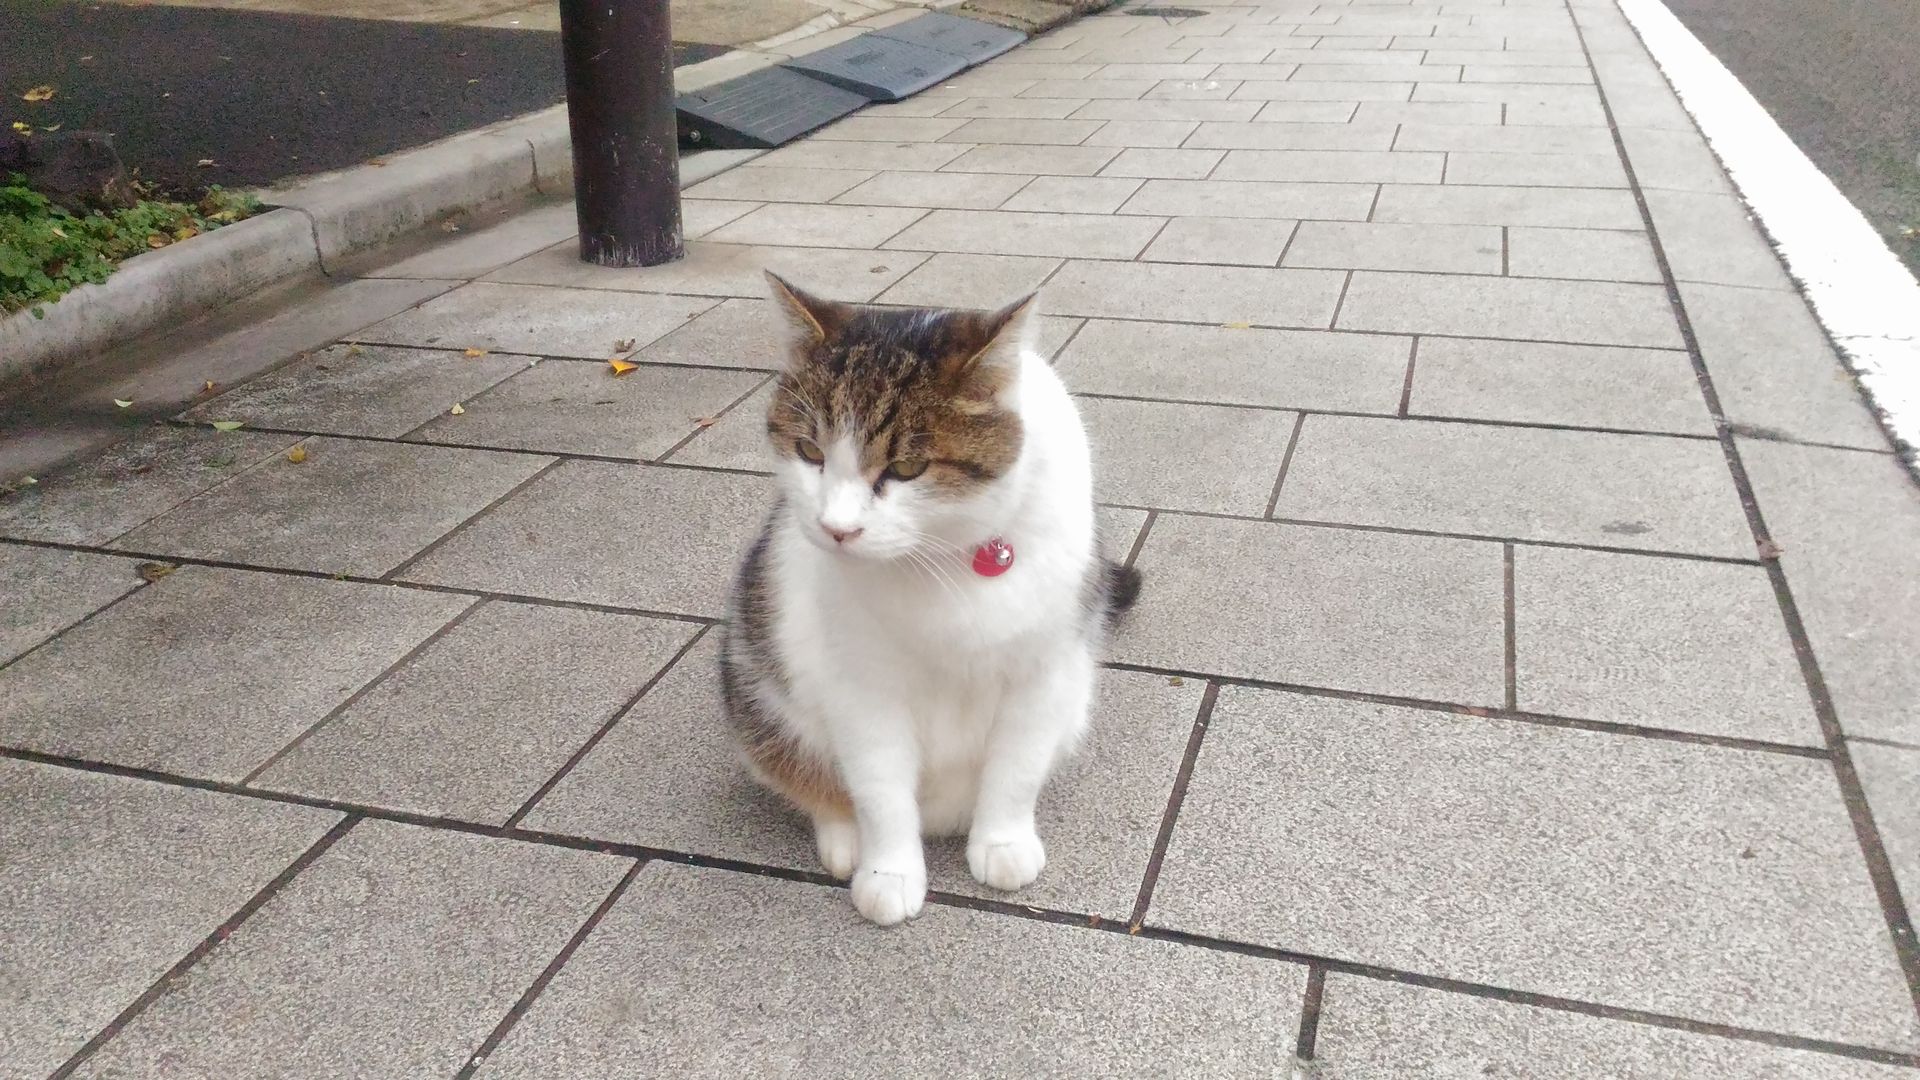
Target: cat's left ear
(998, 339)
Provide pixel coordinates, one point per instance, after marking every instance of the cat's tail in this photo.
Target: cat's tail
(1120, 587)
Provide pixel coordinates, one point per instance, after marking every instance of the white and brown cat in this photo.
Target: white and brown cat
(913, 639)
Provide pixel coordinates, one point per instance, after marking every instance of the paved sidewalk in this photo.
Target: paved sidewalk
(1523, 685)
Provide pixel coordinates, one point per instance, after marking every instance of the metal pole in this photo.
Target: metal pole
(626, 157)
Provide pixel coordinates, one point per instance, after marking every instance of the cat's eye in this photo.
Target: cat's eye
(907, 468)
(809, 451)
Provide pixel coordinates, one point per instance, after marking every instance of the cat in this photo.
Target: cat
(912, 639)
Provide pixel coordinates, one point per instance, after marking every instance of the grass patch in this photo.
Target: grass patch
(46, 251)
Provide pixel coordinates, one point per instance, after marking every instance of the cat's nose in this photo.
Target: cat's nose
(841, 536)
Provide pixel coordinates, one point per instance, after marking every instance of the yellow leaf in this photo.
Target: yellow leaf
(123, 403)
(156, 241)
(354, 350)
(621, 367)
(458, 409)
(297, 455)
(187, 232)
(38, 93)
(1238, 325)
(55, 230)
(154, 571)
(471, 353)
(376, 162)
(22, 126)
(226, 425)
(209, 386)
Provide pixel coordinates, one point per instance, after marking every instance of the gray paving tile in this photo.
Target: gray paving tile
(818, 225)
(108, 882)
(1508, 94)
(372, 390)
(1315, 56)
(1536, 858)
(1372, 1028)
(349, 508)
(50, 589)
(1376, 612)
(1494, 138)
(1160, 71)
(536, 321)
(977, 281)
(1164, 164)
(1774, 369)
(1671, 643)
(1228, 459)
(1679, 160)
(1168, 109)
(710, 270)
(1509, 57)
(1573, 208)
(1310, 112)
(1710, 238)
(1581, 312)
(1525, 73)
(1142, 133)
(1394, 73)
(737, 441)
(1003, 232)
(1332, 166)
(1537, 169)
(1891, 778)
(734, 333)
(475, 724)
(668, 776)
(1032, 160)
(1575, 385)
(1095, 89)
(1254, 90)
(1116, 528)
(958, 190)
(888, 129)
(1632, 491)
(1244, 198)
(1292, 136)
(1036, 131)
(1464, 249)
(706, 519)
(479, 250)
(160, 467)
(774, 183)
(698, 217)
(1014, 108)
(1200, 1012)
(874, 156)
(1298, 368)
(1485, 114)
(392, 955)
(1074, 194)
(1171, 291)
(1239, 241)
(569, 406)
(1564, 114)
(1846, 522)
(251, 661)
(1594, 254)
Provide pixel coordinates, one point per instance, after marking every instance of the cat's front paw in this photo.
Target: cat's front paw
(1006, 861)
(889, 895)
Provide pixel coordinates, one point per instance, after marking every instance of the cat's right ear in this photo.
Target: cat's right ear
(813, 319)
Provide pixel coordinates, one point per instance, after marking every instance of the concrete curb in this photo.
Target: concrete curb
(319, 221)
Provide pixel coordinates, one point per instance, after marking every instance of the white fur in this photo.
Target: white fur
(943, 697)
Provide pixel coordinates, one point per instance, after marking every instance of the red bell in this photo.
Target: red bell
(993, 558)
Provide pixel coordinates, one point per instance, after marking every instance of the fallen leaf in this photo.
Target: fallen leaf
(205, 163)
(186, 233)
(156, 241)
(22, 126)
(1134, 929)
(1176, 681)
(51, 128)
(209, 386)
(227, 425)
(705, 421)
(354, 350)
(1475, 710)
(458, 409)
(621, 367)
(56, 230)
(154, 571)
(297, 455)
(625, 345)
(471, 353)
(878, 270)
(1238, 325)
(85, 59)
(218, 461)
(378, 163)
(123, 403)
(38, 93)
(1770, 550)
(470, 82)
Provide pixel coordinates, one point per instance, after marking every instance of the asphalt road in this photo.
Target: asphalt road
(265, 95)
(1842, 77)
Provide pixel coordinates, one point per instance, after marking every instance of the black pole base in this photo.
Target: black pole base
(626, 154)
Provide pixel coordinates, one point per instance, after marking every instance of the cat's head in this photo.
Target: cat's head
(891, 427)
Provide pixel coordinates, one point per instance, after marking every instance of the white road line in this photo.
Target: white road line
(1860, 291)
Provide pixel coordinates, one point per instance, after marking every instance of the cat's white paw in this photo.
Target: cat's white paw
(890, 896)
(1006, 861)
(839, 844)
